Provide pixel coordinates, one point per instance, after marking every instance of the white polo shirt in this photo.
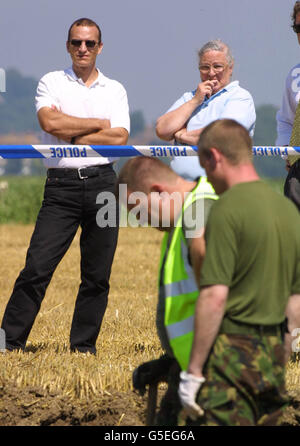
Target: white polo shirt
(104, 99)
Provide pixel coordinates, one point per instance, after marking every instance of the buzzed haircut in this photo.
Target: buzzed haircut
(230, 138)
(139, 171)
(84, 22)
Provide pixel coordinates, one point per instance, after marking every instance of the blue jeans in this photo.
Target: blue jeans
(68, 203)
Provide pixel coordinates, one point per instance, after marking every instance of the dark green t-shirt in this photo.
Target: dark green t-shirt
(253, 246)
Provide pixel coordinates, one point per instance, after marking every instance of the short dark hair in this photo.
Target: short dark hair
(296, 9)
(84, 22)
(230, 138)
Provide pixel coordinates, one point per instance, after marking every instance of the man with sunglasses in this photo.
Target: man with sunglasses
(215, 97)
(286, 117)
(79, 106)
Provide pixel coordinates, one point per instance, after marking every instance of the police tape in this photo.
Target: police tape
(83, 151)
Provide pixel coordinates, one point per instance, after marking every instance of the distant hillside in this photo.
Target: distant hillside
(17, 112)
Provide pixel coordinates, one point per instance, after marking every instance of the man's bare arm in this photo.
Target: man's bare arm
(293, 316)
(197, 254)
(65, 127)
(117, 136)
(210, 308)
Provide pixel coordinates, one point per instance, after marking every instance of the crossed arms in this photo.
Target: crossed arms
(85, 130)
(173, 124)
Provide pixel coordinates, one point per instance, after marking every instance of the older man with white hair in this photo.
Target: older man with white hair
(215, 97)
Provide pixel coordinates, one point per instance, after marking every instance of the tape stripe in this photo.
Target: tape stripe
(69, 151)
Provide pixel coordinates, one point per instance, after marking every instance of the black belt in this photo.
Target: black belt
(80, 173)
(229, 326)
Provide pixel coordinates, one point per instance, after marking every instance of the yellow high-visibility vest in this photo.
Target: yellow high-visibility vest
(180, 290)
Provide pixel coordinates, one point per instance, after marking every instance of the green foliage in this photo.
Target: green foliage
(16, 167)
(21, 197)
(17, 111)
(13, 167)
(265, 128)
(270, 167)
(20, 201)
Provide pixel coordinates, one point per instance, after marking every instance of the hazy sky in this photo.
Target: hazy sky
(151, 46)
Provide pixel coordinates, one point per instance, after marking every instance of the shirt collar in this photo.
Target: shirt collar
(228, 87)
(231, 85)
(69, 72)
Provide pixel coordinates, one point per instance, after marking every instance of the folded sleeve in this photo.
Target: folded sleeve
(45, 95)
(240, 107)
(182, 100)
(119, 114)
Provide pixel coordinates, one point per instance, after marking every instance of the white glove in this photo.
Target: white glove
(188, 388)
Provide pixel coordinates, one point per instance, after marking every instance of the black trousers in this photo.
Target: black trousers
(68, 203)
(292, 184)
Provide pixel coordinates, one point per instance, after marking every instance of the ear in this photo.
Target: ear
(157, 187)
(210, 162)
(68, 46)
(216, 155)
(100, 48)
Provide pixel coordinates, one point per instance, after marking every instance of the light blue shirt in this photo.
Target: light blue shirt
(232, 102)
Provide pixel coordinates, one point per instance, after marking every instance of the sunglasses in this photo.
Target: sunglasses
(296, 28)
(88, 43)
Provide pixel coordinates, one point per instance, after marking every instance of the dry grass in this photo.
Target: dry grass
(128, 335)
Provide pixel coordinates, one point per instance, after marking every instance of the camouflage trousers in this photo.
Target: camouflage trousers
(244, 385)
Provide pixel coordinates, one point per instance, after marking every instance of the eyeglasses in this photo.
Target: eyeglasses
(218, 68)
(296, 28)
(89, 43)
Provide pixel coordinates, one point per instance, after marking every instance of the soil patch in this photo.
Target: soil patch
(34, 407)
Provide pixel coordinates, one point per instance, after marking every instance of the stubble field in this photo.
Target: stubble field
(47, 385)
